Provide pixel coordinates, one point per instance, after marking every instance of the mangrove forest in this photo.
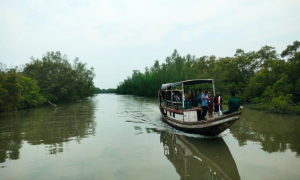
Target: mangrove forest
(264, 79)
(49, 79)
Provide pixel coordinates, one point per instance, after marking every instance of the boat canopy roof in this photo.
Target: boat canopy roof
(187, 82)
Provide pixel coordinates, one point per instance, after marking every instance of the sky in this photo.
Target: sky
(119, 36)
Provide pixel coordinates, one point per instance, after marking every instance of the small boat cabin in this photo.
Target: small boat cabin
(173, 96)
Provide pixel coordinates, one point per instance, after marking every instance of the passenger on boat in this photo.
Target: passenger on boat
(180, 96)
(218, 100)
(192, 95)
(233, 104)
(165, 95)
(199, 95)
(195, 99)
(187, 100)
(186, 96)
(210, 105)
(173, 96)
(168, 96)
(176, 97)
(204, 99)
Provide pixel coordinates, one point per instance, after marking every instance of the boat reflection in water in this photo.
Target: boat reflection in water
(196, 158)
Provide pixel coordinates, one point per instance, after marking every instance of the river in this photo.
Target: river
(122, 137)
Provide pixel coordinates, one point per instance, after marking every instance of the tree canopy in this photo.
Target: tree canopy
(51, 78)
(263, 78)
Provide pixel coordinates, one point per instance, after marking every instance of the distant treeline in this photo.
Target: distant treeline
(110, 90)
(51, 78)
(264, 78)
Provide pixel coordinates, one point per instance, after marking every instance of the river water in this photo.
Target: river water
(122, 137)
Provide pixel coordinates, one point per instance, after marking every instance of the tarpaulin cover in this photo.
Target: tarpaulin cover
(188, 82)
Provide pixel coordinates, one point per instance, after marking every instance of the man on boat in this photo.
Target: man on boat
(233, 104)
(199, 95)
(204, 99)
(210, 105)
(195, 100)
(218, 100)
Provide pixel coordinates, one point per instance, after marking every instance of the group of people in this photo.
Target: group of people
(210, 104)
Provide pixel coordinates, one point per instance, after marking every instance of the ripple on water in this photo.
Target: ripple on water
(148, 113)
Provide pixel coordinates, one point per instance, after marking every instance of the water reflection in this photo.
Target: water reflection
(48, 126)
(275, 133)
(195, 158)
(10, 141)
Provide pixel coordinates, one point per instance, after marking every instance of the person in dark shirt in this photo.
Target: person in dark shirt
(218, 100)
(233, 104)
(194, 99)
(210, 105)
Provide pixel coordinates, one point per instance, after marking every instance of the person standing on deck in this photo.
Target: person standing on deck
(199, 96)
(210, 105)
(192, 95)
(195, 100)
(186, 96)
(187, 100)
(233, 104)
(204, 99)
(218, 100)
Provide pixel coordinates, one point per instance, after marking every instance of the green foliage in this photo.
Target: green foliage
(291, 50)
(51, 79)
(30, 94)
(10, 90)
(3, 91)
(58, 80)
(99, 91)
(259, 77)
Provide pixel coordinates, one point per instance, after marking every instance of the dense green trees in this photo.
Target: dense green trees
(84, 80)
(30, 96)
(52, 78)
(261, 77)
(17, 91)
(109, 90)
(10, 90)
(58, 80)
(276, 86)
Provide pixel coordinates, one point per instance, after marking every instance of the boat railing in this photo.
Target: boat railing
(177, 105)
(172, 104)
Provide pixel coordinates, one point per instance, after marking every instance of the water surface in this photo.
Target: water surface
(122, 137)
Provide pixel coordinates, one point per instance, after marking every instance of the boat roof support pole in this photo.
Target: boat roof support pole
(172, 96)
(213, 83)
(182, 101)
(182, 96)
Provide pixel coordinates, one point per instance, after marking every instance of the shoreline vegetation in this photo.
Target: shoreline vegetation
(103, 91)
(50, 79)
(264, 79)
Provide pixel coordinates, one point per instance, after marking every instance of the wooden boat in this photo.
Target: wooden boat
(187, 119)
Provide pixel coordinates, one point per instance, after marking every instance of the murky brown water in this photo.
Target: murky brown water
(123, 137)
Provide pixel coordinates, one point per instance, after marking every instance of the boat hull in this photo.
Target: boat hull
(210, 127)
